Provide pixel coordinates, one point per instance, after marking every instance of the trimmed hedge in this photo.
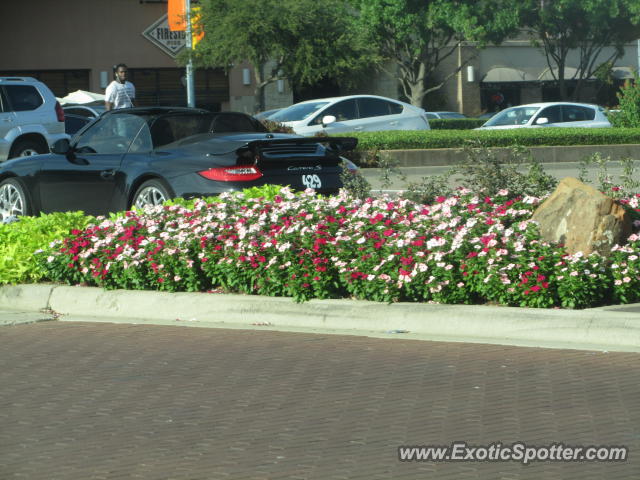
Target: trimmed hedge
(528, 137)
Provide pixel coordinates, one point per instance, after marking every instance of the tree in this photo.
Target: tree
(586, 27)
(301, 40)
(416, 36)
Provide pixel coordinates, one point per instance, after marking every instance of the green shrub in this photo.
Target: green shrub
(267, 192)
(484, 172)
(527, 137)
(19, 241)
(629, 98)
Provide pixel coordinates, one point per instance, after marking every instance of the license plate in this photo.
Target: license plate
(312, 181)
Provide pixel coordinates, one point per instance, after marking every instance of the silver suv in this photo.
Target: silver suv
(31, 119)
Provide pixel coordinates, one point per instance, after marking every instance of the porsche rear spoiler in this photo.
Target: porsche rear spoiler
(334, 145)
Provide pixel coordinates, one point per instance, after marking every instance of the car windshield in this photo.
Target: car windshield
(298, 112)
(512, 116)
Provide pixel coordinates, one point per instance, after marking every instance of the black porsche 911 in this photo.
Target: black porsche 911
(144, 156)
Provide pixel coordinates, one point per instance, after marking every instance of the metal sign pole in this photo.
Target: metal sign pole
(191, 102)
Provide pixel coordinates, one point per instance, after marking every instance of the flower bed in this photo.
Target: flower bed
(461, 249)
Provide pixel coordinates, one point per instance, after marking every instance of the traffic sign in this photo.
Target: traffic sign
(162, 37)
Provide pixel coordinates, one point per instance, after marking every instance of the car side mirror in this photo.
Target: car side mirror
(542, 121)
(61, 147)
(328, 120)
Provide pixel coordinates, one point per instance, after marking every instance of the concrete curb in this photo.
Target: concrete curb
(609, 328)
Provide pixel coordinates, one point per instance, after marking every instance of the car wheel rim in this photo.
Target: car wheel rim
(150, 197)
(27, 152)
(11, 202)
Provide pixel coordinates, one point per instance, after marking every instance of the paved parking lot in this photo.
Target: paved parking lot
(102, 401)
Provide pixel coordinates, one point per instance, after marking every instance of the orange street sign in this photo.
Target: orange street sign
(177, 15)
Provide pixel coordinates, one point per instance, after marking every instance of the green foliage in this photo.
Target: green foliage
(627, 183)
(354, 183)
(455, 123)
(528, 137)
(588, 26)
(629, 105)
(301, 40)
(427, 189)
(19, 241)
(266, 192)
(417, 36)
(485, 172)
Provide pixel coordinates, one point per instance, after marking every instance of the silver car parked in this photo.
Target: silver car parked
(352, 113)
(31, 119)
(550, 114)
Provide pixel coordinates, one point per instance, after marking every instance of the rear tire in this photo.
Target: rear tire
(14, 201)
(25, 148)
(150, 194)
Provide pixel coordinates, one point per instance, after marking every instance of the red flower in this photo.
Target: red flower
(376, 219)
(406, 260)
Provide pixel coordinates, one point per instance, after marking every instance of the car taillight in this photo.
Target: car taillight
(59, 112)
(232, 174)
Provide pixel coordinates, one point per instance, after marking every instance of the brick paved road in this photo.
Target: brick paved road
(100, 401)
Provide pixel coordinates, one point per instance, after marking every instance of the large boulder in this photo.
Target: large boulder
(582, 218)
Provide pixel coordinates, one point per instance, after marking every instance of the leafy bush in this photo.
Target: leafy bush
(484, 172)
(629, 99)
(20, 239)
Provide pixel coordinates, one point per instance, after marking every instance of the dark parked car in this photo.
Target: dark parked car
(144, 156)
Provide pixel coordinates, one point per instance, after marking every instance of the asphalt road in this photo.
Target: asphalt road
(415, 174)
(85, 401)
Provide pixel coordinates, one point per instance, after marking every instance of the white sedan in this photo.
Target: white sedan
(353, 113)
(550, 114)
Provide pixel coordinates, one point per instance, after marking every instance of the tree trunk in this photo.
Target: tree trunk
(258, 91)
(417, 94)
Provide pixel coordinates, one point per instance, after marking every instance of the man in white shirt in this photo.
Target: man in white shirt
(120, 93)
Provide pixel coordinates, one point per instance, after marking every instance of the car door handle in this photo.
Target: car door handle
(106, 174)
(357, 128)
(8, 120)
(393, 123)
